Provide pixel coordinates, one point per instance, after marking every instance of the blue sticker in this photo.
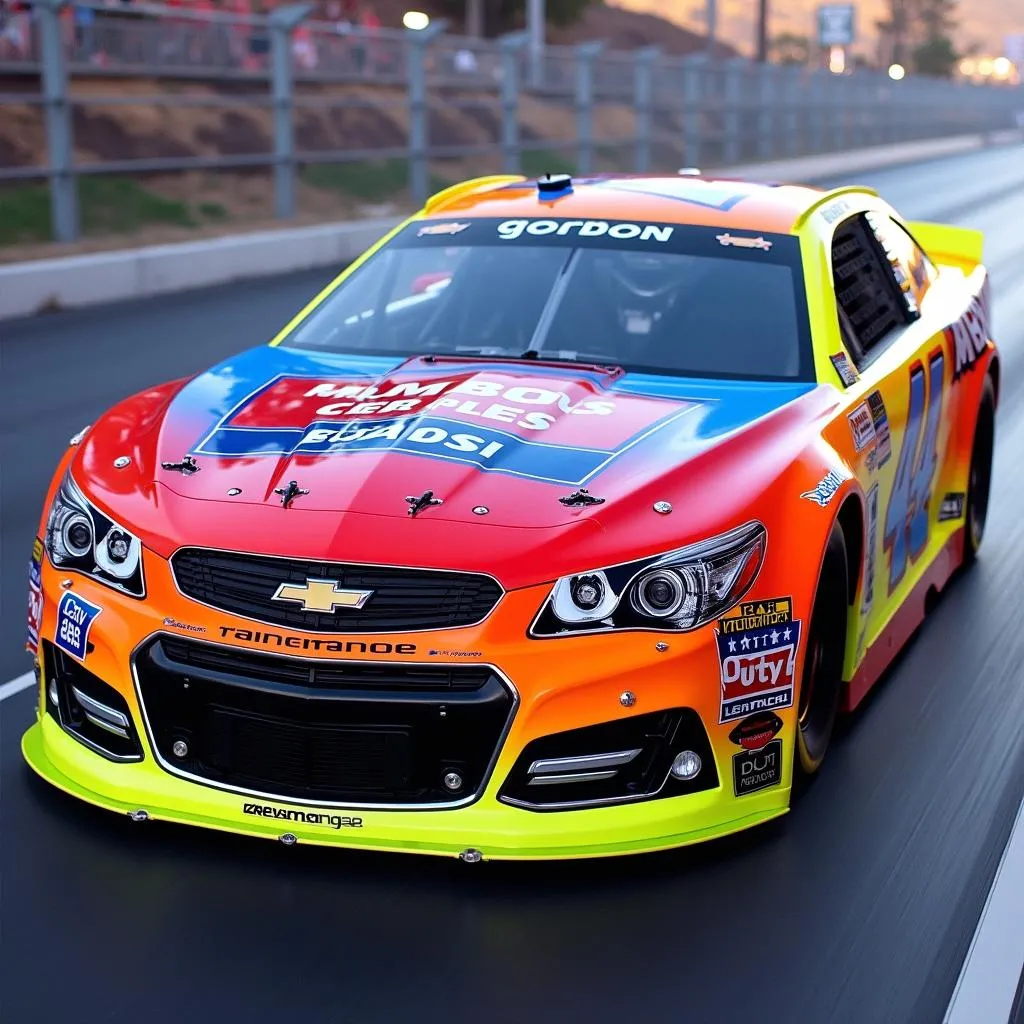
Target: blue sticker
(75, 617)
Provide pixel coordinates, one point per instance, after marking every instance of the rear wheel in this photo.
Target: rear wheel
(980, 474)
(822, 681)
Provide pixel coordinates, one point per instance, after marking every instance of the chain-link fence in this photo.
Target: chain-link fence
(488, 104)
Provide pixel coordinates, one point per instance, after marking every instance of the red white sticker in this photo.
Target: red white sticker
(862, 426)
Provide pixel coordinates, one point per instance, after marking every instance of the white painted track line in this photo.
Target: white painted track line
(987, 984)
(16, 685)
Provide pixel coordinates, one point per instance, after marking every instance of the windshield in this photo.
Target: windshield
(674, 299)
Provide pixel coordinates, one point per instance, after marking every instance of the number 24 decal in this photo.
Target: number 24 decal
(906, 519)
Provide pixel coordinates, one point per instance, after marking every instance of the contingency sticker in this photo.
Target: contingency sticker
(869, 553)
(843, 366)
(862, 427)
(757, 769)
(755, 731)
(35, 598)
(757, 645)
(883, 438)
(75, 617)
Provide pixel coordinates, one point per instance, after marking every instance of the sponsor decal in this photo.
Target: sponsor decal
(441, 229)
(826, 490)
(831, 213)
(952, 507)
(862, 426)
(744, 241)
(757, 645)
(883, 438)
(75, 617)
(438, 653)
(623, 231)
(35, 597)
(187, 626)
(329, 819)
(303, 643)
(869, 551)
(968, 337)
(757, 769)
(540, 427)
(754, 732)
(843, 366)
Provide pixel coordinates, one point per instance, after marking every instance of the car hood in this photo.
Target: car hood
(499, 444)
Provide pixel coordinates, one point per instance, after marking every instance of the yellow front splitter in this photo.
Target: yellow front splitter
(597, 832)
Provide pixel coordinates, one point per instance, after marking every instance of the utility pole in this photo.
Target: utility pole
(762, 31)
(536, 15)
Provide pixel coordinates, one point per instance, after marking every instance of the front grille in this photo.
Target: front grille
(322, 730)
(611, 763)
(401, 600)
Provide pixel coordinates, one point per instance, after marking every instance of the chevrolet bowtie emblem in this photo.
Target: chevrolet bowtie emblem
(322, 595)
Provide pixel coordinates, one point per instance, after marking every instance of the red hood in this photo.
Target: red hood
(509, 438)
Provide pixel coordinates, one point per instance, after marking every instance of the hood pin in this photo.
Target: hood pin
(289, 493)
(232, 491)
(480, 510)
(425, 500)
(121, 461)
(187, 466)
(663, 507)
(581, 497)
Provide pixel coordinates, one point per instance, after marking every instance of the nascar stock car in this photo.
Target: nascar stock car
(563, 523)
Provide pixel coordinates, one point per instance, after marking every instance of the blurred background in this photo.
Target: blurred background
(122, 120)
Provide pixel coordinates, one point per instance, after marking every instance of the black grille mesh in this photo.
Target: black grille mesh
(402, 600)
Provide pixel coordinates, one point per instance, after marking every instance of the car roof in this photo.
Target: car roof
(675, 199)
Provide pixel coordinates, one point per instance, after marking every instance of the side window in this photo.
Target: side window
(914, 271)
(871, 302)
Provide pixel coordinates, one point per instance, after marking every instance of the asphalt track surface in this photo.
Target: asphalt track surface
(858, 907)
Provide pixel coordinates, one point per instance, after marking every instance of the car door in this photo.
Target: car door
(893, 326)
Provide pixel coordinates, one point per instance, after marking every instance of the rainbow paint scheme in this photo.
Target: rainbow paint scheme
(884, 453)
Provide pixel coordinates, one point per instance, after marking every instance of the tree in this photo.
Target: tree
(790, 48)
(936, 57)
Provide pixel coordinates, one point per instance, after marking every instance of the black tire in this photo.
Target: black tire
(979, 481)
(821, 686)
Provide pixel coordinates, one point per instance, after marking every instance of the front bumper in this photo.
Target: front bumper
(555, 687)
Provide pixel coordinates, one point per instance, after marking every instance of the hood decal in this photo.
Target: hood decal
(546, 424)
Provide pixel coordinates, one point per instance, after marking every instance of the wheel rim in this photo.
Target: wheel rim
(822, 676)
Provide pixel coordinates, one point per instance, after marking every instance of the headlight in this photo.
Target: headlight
(679, 591)
(80, 537)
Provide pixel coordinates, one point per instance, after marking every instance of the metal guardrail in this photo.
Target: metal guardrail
(685, 110)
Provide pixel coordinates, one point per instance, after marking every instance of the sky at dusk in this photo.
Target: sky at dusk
(985, 22)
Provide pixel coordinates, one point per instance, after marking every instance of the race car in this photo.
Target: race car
(563, 523)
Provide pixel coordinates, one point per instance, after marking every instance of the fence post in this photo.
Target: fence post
(693, 96)
(839, 87)
(63, 187)
(733, 122)
(511, 47)
(790, 93)
(815, 102)
(643, 95)
(586, 54)
(282, 23)
(417, 41)
(767, 96)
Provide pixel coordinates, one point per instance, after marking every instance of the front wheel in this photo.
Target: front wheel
(822, 682)
(980, 475)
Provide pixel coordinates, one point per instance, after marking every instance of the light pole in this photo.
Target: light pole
(762, 31)
(535, 18)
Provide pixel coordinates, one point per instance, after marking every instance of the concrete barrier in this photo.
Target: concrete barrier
(72, 281)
